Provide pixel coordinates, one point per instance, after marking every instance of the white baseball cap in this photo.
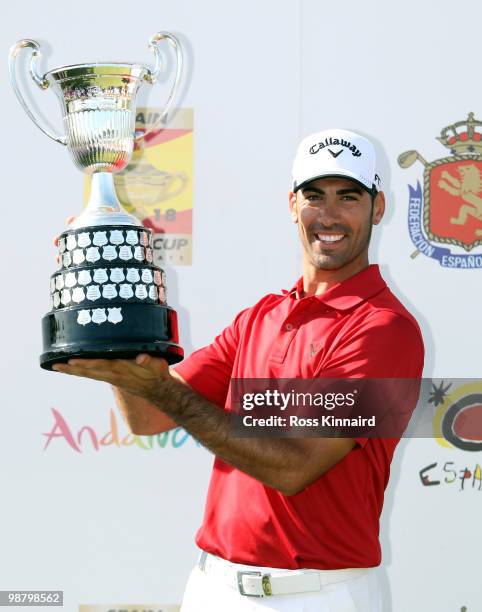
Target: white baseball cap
(336, 153)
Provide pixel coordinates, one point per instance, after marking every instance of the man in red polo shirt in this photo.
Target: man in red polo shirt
(290, 523)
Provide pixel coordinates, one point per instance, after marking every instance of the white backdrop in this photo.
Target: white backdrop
(117, 524)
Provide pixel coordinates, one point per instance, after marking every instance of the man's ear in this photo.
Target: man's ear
(378, 208)
(292, 203)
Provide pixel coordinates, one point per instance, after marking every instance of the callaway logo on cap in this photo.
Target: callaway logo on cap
(336, 153)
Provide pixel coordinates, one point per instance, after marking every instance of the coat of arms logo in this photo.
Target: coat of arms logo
(448, 210)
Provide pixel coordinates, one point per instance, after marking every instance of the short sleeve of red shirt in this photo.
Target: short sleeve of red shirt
(208, 370)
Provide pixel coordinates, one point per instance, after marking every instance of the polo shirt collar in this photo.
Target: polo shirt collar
(350, 292)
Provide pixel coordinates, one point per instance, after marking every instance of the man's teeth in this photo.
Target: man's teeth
(329, 237)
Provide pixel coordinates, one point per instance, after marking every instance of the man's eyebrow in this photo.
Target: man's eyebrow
(313, 189)
(350, 190)
(339, 191)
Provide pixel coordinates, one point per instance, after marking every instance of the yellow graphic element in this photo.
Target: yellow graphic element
(467, 187)
(170, 157)
(478, 473)
(129, 607)
(450, 399)
(156, 175)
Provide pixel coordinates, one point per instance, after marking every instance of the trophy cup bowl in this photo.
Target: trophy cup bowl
(108, 299)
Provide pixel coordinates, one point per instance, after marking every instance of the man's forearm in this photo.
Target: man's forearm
(140, 415)
(275, 462)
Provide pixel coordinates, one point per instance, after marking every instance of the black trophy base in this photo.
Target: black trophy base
(101, 334)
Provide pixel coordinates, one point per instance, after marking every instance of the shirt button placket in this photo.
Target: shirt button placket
(282, 343)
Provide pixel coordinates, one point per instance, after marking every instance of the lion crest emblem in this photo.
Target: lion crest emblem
(448, 210)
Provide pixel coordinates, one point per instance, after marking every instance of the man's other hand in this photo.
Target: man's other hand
(141, 376)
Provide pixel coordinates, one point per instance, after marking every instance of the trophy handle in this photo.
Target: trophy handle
(151, 76)
(40, 80)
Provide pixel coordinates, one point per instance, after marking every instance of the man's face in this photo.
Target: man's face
(335, 218)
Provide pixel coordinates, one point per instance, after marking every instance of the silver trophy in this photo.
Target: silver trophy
(108, 299)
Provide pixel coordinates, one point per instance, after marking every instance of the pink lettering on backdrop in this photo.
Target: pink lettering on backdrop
(87, 437)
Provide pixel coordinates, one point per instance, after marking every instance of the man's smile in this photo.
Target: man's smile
(328, 239)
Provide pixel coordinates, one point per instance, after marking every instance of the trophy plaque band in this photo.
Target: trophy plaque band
(108, 299)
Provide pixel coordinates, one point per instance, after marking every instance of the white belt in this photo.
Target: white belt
(273, 581)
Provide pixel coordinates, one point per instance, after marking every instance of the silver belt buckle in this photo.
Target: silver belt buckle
(265, 583)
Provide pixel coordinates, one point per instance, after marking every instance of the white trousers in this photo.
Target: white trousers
(207, 593)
